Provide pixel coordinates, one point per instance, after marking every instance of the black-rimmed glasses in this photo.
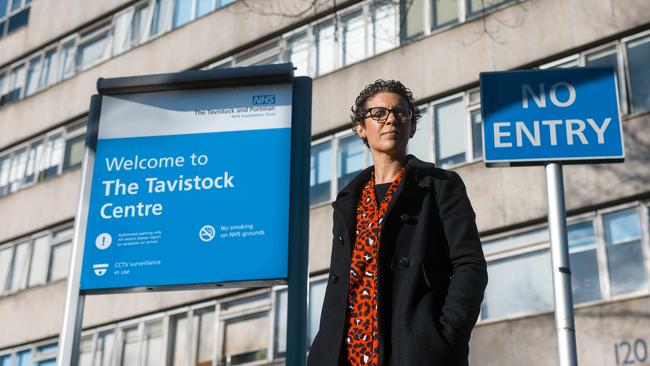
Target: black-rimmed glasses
(380, 114)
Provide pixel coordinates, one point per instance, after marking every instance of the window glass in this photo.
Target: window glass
(53, 155)
(153, 343)
(411, 19)
(67, 66)
(477, 134)
(38, 267)
(104, 350)
(351, 158)
(33, 160)
(624, 253)
(17, 82)
(6, 254)
(321, 173)
(130, 346)
(138, 23)
(3, 7)
(33, 75)
(638, 54)
(444, 12)
(182, 12)
(420, 143)
(86, 351)
(19, 276)
(5, 165)
(204, 6)
(519, 284)
(298, 53)
(59, 261)
(18, 167)
(178, 339)
(316, 297)
(245, 339)
(24, 358)
(92, 50)
(450, 132)
(121, 32)
(585, 279)
(265, 54)
(280, 333)
(74, 151)
(476, 6)
(18, 20)
(325, 47)
(5, 360)
(48, 61)
(158, 20)
(354, 35)
(204, 336)
(15, 4)
(384, 26)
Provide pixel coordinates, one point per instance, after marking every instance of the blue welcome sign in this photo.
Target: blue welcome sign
(560, 115)
(190, 187)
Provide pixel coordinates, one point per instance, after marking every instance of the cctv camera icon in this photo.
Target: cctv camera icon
(100, 269)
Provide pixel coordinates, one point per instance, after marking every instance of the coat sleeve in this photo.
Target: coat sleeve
(468, 277)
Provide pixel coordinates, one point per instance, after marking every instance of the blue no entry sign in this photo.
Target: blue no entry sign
(561, 115)
(190, 187)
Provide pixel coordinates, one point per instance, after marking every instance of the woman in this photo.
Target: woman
(407, 272)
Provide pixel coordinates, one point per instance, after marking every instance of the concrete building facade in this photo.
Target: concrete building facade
(54, 51)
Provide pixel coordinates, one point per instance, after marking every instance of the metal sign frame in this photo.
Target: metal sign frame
(559, 160)
(298, 233)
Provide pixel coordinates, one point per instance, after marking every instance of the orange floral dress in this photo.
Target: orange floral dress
(362, 332)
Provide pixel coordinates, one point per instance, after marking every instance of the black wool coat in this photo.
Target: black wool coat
(431, 272)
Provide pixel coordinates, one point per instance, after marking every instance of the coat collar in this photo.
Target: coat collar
(345, 203)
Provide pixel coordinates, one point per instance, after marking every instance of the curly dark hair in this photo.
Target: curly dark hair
(391, 86)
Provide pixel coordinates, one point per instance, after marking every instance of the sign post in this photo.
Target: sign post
(550, 118)
(194, 180)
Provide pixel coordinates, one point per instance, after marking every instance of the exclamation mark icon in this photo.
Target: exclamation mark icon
(103, 241)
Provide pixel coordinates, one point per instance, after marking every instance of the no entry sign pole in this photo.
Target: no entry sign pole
(550, 118)
(564, 320)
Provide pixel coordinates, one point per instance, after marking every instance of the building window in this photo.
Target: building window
(638, 54)
(450, 131)
(42, 157)
(325, 47)
(412, 18)
(444, 12)
(245, 331)
(298, 53)
(352, 157)
(477, 7)
(384, 25)
(316, 296)
(14, 14)
(531, 289)
(583, 257)
(624, 252)
(420, 144)
(607, 258)
(321, 172)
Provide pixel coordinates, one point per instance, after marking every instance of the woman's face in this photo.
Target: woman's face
(391, 136)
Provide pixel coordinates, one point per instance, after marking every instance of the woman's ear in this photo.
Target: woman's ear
(361, 130)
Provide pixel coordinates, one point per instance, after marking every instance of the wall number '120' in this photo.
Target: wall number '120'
(630, 353)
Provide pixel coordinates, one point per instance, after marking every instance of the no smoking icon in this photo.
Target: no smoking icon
(207, 233)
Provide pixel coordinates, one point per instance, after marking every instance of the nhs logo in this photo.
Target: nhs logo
(263, 99)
